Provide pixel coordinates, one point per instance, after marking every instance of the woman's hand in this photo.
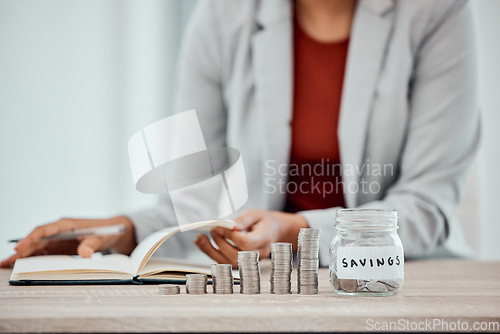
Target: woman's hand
(85, 247)
(262, 228)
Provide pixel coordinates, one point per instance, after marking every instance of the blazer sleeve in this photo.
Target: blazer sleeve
(198, 86)
(442, 138)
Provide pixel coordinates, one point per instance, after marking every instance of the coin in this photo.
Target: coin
(308, 290)
(349, 285)
(391, 284)
(362, 285)
(281, 268)
(308, 260)
(196, 284)
(249, 268)
(308, 264)
(335, 281)
(375, 286)
(222, 278)
(168, 289)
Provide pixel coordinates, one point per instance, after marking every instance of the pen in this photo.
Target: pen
(83, 232)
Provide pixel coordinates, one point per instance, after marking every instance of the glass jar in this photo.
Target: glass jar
(366, 254)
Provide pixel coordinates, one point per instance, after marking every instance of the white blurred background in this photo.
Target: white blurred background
(79, 77)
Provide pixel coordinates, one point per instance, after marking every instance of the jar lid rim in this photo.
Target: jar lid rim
(367, 218)
(365, 211)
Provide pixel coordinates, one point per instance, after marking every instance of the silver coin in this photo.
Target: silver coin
(307, 290)
(281, 246)
(375, 286)
(282, 262)
(362, 285)
(308, 254)
(249, 269)
(309, 251)
(196, 284)
(248, 255)
(286, 291)
(307, 274)
(281, 268)
(168, 289)
(391, 284)
(308, 264)
(308, 230)
(349, 285)
(335, 281)
(222, 278)
(308, 261)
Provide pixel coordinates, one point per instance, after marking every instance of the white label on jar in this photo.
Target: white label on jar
(374, 262)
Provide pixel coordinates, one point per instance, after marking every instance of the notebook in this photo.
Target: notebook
(138, 268)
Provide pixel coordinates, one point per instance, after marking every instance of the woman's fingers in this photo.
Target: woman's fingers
(67, 247)
(32, 248)
(227, 253)
(205, 245)
(252, 240)
(37, 234)
(90, 245)
(248, 218)
(225, 248)
(64, 247)
(35, 249)
(86, 248)
(34, 243)
(51, 229)
(231, 252)
(9, 261)
(240, 240)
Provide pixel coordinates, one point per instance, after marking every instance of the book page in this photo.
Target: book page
(161, 265)
(148, 246)
(47, 263)
(156, 266)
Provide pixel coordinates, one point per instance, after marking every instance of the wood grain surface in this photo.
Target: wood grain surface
(449, 290)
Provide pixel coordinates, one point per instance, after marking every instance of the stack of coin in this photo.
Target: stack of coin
(308, 261)
(248, 264)
(281, 269)
(222, 278)
(168, 289)
(196, 284)
(360, 285)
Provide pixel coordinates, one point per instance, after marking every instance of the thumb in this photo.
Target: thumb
(89, 245)
(247, 219)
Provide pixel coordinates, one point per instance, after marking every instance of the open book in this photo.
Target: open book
(114, 268)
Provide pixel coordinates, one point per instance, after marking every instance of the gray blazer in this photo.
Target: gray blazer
(409, 103)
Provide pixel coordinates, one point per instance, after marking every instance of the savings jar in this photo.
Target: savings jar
(366, 254)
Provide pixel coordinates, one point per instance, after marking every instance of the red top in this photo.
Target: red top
(314, 176)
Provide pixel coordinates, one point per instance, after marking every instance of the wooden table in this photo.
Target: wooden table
(447, 290)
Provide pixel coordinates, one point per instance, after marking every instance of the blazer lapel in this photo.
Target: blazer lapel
(370, 35)
(272, 70)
